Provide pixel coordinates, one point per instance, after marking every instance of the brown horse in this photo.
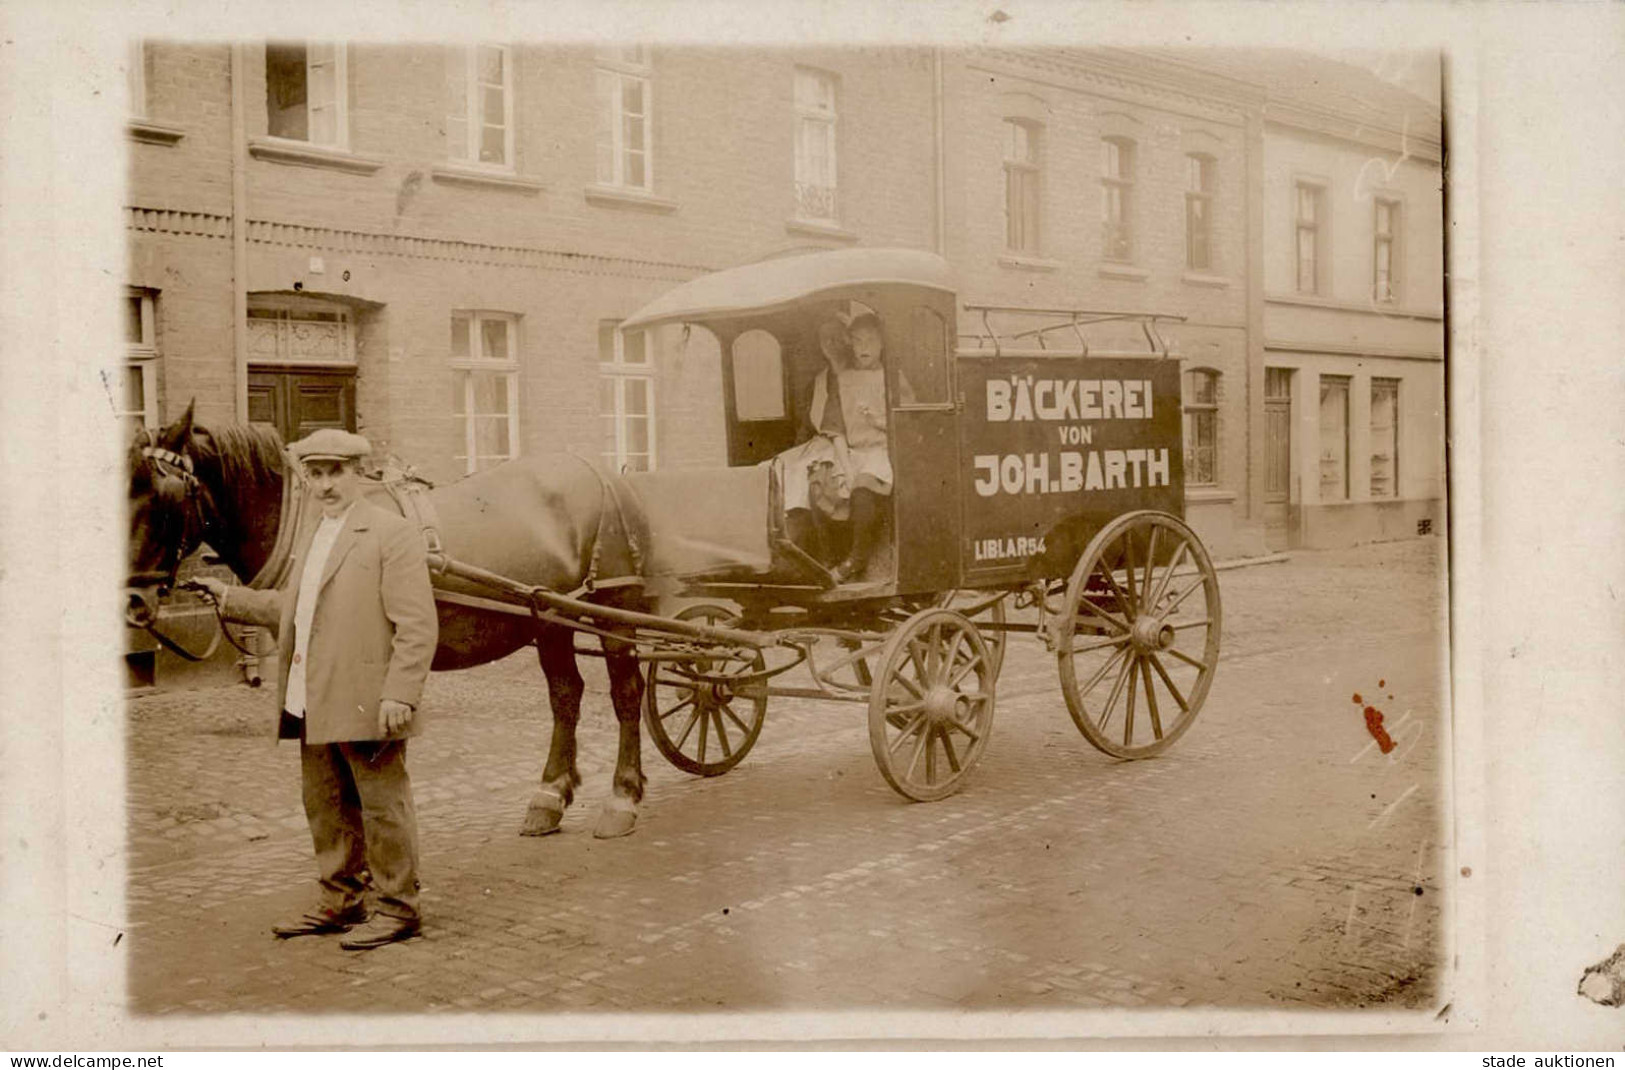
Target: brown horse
(548, 522)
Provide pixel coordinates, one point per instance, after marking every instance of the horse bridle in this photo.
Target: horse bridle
(194, 530)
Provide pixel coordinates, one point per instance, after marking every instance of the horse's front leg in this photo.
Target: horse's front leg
(555, 649)
(620, 813)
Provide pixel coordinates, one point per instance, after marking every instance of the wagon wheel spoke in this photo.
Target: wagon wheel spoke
(1201, 582)
(908, 731)
(1168, 573)
(1128, 572)
(1117, 689)
(1128, 715)
(965, 670)
(1186, 658)
(931, 755)
(722, 734)
(948, 749)
(966, 729)
(1168, 682)
(1151, 698)
(1100, 644)
(1150, 570)
(1100, 673)
(681, 706)
(1110, 618)
(734, 717)
(705, 726)
(1106, 570)
(919, 751)
(693, 719)
(1182, 625)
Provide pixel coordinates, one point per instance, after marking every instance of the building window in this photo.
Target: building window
(1201, 427)
(1385, 241)
(479, 105)
(136, 402)
(1334, 438)
(307, 93)
(485, 386)
(1117, 199)
(1384, 438)
(1199, 212)
(623, 92)
(1310, 237)
(1021, 177)
(815, 145)
(135, 75)
(626, 398)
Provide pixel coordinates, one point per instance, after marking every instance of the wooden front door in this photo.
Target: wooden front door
(1277, 457)
(297, 402)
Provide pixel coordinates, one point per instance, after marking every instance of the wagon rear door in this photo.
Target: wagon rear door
(925, 448)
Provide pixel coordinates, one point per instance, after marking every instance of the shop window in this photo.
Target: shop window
(485, 386)
(1385, 438)
(626, 398)
(1334, 438)
(1201, 427)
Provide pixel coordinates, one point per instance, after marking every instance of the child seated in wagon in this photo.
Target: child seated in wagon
(843, 469)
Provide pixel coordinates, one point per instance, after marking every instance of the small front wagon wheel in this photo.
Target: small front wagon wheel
(1138, 639)
(698, 720)
(931, 706)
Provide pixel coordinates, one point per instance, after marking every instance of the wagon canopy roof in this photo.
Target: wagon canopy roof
(762, 287)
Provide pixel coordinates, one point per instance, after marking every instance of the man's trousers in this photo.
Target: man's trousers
(358, 801)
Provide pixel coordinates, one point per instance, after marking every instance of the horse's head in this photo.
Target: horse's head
(168, 508)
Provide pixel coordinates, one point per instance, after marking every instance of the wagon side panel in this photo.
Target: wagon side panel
(1052, 448)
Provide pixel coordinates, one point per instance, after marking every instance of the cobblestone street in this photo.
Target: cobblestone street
(1273, 857)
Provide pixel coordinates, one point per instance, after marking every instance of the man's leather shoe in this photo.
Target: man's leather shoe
(382, 929)
(321, 922)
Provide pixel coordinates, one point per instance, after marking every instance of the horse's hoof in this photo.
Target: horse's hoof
(619, 817)
(544, 815)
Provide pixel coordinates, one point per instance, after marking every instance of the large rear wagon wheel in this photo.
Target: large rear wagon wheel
(931, 706)
(1138, 637)
(700, 722)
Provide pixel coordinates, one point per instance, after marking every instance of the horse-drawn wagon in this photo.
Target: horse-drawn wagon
(1028, 466)
(1029, 474)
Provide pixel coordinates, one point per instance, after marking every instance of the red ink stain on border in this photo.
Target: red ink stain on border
(1358, 701)
(1373, 724)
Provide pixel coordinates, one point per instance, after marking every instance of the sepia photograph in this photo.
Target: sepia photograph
(625, 534)
(926, 528)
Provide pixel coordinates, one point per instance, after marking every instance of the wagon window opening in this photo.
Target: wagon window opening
(927, 368)
(758, 373)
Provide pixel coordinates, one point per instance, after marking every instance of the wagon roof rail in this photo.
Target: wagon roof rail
(1058, 319)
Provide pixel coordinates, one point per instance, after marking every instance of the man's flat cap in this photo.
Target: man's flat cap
(331, 444)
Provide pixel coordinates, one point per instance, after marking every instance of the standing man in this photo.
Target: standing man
(356, 633)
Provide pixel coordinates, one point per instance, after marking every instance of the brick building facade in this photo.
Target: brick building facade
(433, 244)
